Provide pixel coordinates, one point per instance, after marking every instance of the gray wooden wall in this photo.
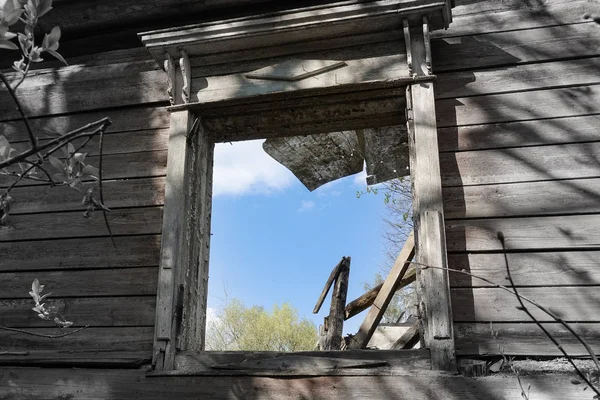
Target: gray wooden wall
(518, 106)
(111, 289)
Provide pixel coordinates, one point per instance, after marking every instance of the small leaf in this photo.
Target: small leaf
(44, 7)
(57, 56)
(79, 157)
(6, 44)
(91, 171)
(57, 164)
(70, 149)
(575, 381)
(51, 39)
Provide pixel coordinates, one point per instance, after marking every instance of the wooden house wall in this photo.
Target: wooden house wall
(111, 289)
(518, 106)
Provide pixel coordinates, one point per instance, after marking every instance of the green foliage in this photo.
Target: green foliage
(237, 327)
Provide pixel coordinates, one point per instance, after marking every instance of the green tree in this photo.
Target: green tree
(237, 327)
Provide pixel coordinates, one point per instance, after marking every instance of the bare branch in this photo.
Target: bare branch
(42, 335)
(530, 315)
(100, 191)
(58, 142)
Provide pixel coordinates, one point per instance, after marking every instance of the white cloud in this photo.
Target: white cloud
(360, 179)
(306, 206)
(244, 168)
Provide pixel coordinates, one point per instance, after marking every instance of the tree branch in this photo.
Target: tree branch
(60, 141)
(100, 191)
(42, 335)
(530, 315)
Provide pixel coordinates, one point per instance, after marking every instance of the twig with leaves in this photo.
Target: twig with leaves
(39, 158)
(46, 313)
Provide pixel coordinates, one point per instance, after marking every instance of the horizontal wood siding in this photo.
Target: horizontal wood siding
(109, 289)
(518, 105)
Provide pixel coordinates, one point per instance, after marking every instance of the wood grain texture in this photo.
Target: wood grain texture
(118, 166)
(491, 304)
(517, 78)
(130, 221)
(471, 17)
(104, 358)
(123, 120)
(73, 96)
(117, 194)
(543, 233)
(523, 339)
(99, 384)
(49, 255)
(528, 269)
(543, 163)
(335, 322)
(93, 341)
(116, 143)
(93, 311)
(520, 133)
(104, 282)
(486, 50)
(489, 109)
(570, 196)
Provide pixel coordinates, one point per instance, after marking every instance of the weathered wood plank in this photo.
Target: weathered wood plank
(117, 194)
(492, 304)
(381, 68)
(540, 163)
(93, 311)
(335, 322)
(363, 302)
(123, 120)
(471, 17)
(516, 78)
(173, 249)
(131, 251)
(93, 341)
(68, 97)
(103, 384)
(528, 269)
(130, 221)
(523, 199)
(560, 232)
(379, 306)
(520, 134)
(410, 338)
(515, 47)
(116, 143)
(104, 282)
(334, 273)
(82, 359)
(118, 166)
(539, 104)
(523, 339)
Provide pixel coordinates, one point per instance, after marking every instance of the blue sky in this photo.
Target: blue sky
(274, 241)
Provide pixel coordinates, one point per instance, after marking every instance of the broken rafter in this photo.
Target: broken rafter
(360, 340)
(363, 302)
(334, 273)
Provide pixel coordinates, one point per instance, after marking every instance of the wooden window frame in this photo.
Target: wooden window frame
(183, 274)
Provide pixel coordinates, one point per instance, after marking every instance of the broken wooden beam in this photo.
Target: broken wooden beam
(410, 338)
(335, 321)
(360, 340)
(363, 302)
(332, 276)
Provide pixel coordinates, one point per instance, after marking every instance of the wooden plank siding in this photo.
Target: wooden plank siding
(518, 115)
(111, 289)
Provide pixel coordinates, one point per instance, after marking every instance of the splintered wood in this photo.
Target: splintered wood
(331, 330)
(360, 340)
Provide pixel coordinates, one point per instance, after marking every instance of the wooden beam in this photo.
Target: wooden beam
(363, 302)
(335, 325)
(171, 254)
(334, 273)
(410, 338)
(360, 340)
(433, 284)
